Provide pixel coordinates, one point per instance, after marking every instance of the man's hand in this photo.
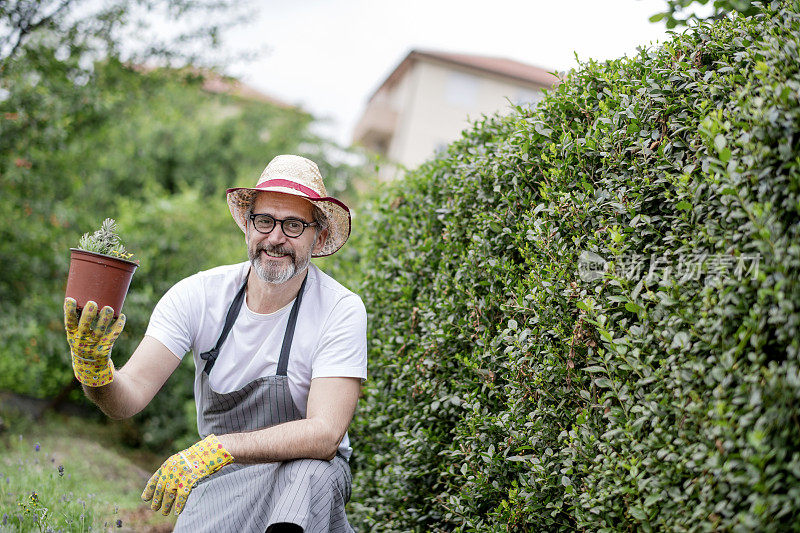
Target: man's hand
(91, 346)
(172, 483)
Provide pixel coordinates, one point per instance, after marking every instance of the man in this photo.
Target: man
(280, 353)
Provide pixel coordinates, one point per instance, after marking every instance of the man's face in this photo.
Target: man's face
(275, 257)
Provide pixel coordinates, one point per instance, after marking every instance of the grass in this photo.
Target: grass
(70, 474)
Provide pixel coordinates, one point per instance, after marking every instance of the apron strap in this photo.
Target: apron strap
(283, 362)
(210, 357)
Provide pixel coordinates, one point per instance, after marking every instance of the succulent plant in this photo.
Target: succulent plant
(105, 241)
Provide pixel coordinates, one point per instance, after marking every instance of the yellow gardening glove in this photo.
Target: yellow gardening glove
(91, 346)
(179, 474)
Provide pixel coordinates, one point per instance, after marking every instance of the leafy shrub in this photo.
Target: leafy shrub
(512, 388)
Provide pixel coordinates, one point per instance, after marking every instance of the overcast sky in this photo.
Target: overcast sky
(330, 55)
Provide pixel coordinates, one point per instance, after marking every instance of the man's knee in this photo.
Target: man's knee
(321, 472)
(284, 527)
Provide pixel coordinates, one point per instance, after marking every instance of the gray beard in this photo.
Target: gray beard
(277, 274)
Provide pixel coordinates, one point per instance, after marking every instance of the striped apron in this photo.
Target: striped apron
(251, 498)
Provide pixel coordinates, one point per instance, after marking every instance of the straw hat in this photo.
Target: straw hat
(298, 176)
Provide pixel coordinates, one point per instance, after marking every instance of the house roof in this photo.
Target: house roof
(498, 66)
(216, 83)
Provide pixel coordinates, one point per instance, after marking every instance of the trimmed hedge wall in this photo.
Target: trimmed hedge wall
(513, 388)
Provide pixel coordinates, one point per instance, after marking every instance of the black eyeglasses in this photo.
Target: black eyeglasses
(292, 227)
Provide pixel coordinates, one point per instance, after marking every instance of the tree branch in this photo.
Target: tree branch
(24, 24)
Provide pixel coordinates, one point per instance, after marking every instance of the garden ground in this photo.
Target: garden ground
(68, 473)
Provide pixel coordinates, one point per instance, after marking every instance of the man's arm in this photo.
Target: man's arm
(331, 405)
(137, 382)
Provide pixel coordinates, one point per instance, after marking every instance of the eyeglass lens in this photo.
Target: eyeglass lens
(291, 227)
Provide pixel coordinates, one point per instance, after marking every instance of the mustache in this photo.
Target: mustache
(275, 249)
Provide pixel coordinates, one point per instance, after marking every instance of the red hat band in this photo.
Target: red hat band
(308, 191)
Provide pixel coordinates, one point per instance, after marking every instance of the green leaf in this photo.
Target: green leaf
(638, 513)
(720, 142)
(632, 307)
(604, 383)
(652, 499)
(593, 369)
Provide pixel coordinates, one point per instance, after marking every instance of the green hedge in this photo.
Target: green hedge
(513, 389)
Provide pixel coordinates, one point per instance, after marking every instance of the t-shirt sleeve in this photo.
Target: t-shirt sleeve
(342, 350)
(172, 322)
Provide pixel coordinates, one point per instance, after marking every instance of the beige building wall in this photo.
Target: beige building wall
(429, 106)
(440, 101)
(428, 100)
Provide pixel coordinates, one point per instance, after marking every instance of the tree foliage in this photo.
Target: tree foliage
(684, 12)
(118, 28)
(513, 389)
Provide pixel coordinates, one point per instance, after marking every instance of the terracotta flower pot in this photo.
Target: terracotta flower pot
(103, 279)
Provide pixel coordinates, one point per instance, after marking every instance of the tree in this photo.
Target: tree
(102, 28)
(55, 57)
(682, 12)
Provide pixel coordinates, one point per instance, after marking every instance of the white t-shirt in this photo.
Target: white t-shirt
(330, 338)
